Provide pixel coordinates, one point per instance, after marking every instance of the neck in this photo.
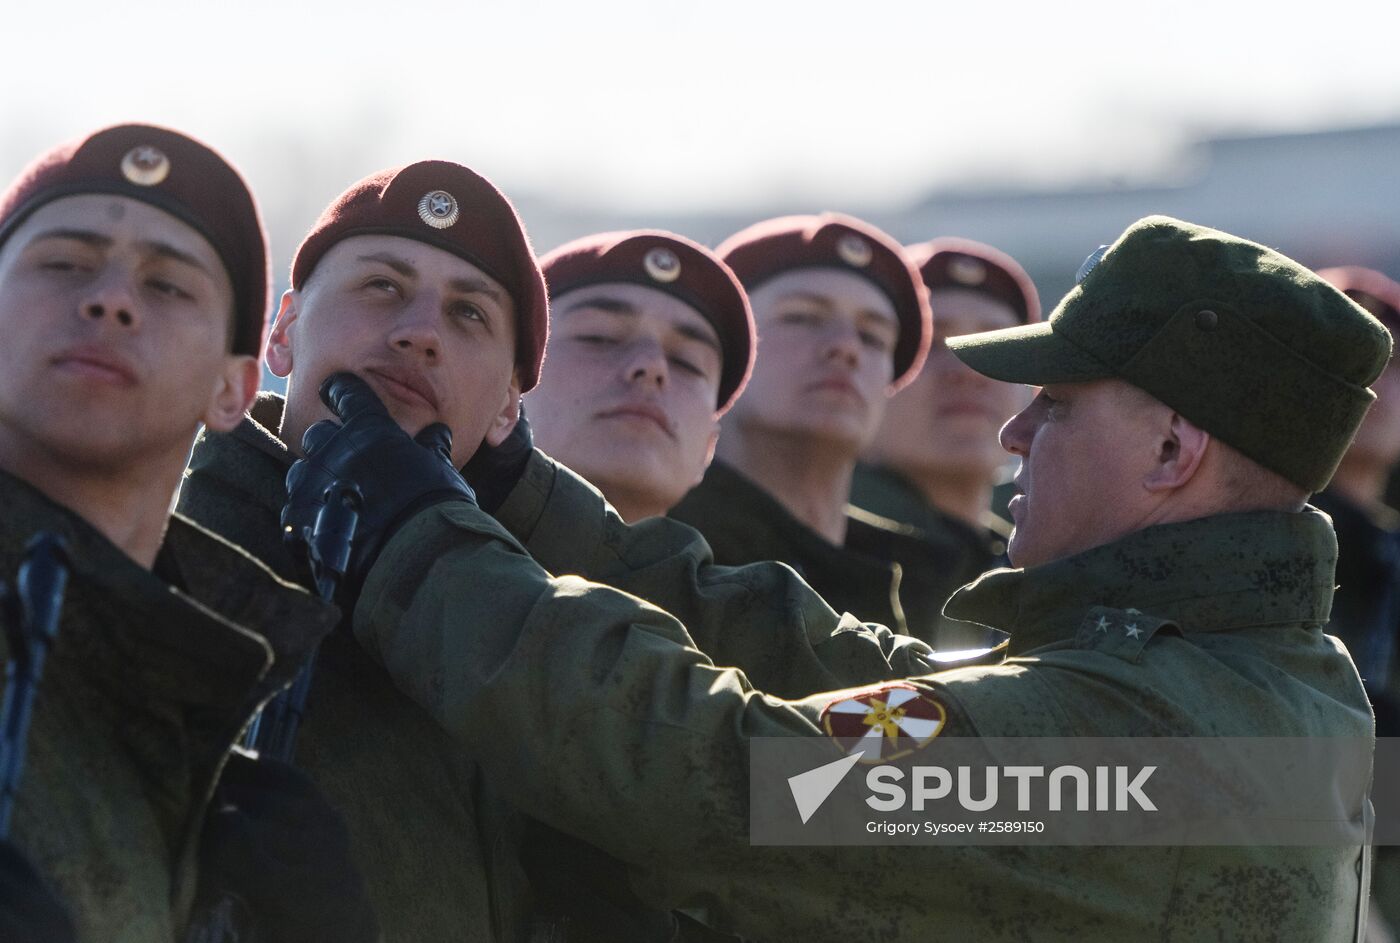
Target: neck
(1361, 482)
(632, 506)
(130, 507)
(966, 497)
(812, 481)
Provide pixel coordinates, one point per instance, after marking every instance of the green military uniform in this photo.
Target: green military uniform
(638, 744)
(880, 490)
(409, 796)
(760, 617)
(883, 573)
(150, 681)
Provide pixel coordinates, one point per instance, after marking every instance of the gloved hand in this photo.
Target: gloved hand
(589, 889)
(398, 475)
(30, 912)
(273, 843)
(494, 471)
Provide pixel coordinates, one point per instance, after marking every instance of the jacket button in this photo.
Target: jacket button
(1207, 319)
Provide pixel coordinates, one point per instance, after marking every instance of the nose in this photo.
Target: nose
(1016, 435)
(110, 298)
(842, 345)
(645, 365)
(416, 328)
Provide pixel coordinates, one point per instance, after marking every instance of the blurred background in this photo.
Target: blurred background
(1041, 128)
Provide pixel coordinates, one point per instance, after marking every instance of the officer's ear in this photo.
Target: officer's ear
(1180, 449)
(234, 389)
(279, 342)
(508, 415)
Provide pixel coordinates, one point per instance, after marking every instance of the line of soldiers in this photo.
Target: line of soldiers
(559, 625)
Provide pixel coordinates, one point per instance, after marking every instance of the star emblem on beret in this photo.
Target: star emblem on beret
(854, 250)
(662, 265)
(438, 209)
(966, 270)
(145, 165)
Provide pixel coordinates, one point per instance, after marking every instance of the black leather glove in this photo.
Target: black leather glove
(273, 844)
(588, 889)
(30, 912)
(494, 471)
(398, 475)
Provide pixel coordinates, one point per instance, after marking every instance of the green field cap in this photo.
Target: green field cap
(1242, 341)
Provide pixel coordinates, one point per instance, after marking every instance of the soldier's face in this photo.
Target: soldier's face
(1085, 452)
(431, 333)
(116, 319)
(628, 397)
(945, 422)
(825, 358)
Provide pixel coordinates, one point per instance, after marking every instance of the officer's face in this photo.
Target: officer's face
(945, 422)
(825, 358)
(116, 319)
(430, 332)
(1085, 451)
(628, 396)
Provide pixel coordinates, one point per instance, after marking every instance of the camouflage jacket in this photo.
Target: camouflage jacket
(408, 794)
(884, 573)
(151, 679)
(760, 617)
(625, 734)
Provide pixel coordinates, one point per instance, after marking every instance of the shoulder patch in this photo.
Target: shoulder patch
(1121, 632)
(885, 722)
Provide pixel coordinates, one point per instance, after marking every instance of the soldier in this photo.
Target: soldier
(651, 342)
(421, 278)
(1150, 504)
(1366, 609)
(845, 322)
(935, 460)
(133, 288)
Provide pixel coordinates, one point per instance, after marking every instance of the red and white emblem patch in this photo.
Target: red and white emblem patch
(884, 723)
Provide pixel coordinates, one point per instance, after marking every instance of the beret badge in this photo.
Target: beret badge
(145, 166)
(967, 271)
(662, 265)
(854, 250)
(438, 209)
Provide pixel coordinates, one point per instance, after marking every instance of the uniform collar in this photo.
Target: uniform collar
(230, 633)
(1228, 571)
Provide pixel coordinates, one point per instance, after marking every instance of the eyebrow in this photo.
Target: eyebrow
(825, 302)
(616, 306)
(98, 241)
(405, 268)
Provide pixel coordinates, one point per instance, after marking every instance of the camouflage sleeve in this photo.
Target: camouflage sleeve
(593, 711)
(762, 617)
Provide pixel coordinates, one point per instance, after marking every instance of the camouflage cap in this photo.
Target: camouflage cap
(1242, 341)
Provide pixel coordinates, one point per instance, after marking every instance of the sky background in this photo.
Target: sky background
(719, 106)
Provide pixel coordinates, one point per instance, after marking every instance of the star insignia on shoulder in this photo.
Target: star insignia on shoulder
(1132, 630)
(1102, 624)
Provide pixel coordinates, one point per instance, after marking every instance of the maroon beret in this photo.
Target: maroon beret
(1370, 289)
(832, 240)
(172, 172)
(950, 262)
(454, 209)
(677, 266)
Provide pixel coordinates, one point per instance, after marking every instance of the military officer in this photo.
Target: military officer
(845, 322)
(1149, 505)
(935, 459)
(133, 288)
(651, 342)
